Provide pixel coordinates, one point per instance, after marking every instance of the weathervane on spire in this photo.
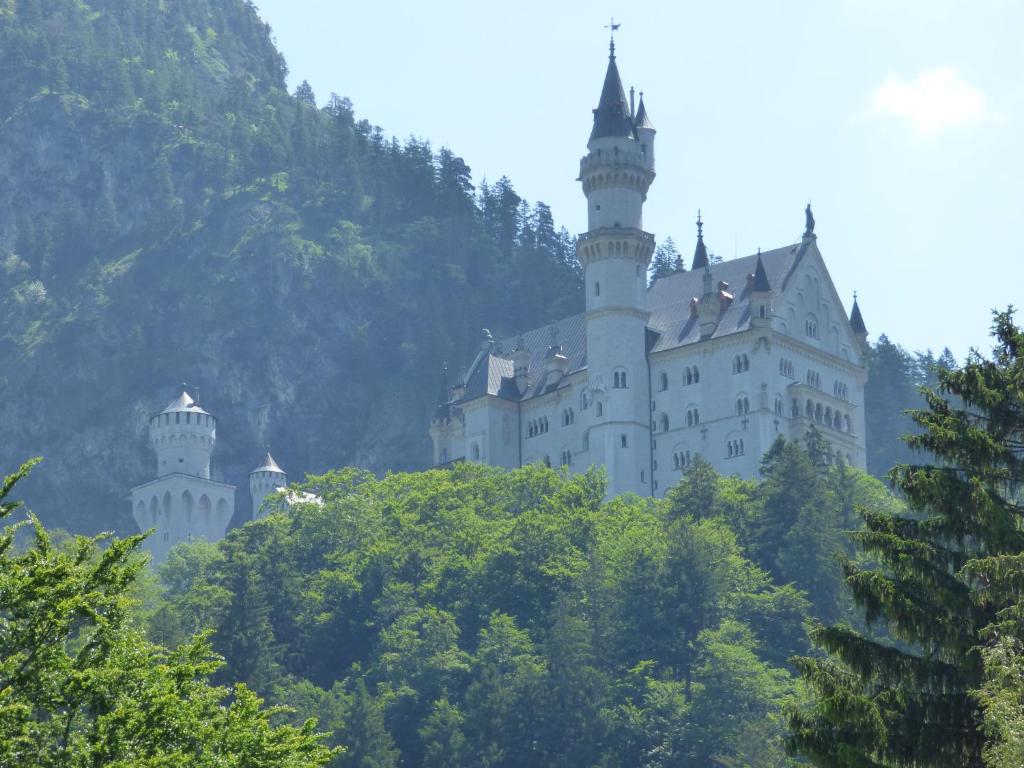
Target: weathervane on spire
(614, 27)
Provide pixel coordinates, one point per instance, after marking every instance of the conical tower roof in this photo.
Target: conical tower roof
(761, 284)
(183, 403)
(269, 465)
(643, 120)
(856, 319)
(700, 253)
(612, 118)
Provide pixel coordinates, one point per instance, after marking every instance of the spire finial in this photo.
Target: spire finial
(855, 297)
(700, 226)
(613, 27)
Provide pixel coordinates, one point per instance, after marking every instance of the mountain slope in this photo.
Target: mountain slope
(170, 212)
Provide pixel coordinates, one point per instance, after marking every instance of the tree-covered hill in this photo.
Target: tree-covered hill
(169, 212)
(475, 617)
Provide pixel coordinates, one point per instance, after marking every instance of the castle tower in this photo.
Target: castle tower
(182, 503)
(183, 436)
(615, 253)
(263, 481)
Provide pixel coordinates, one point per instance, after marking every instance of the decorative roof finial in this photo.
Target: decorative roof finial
(700, 253)
(809, 220)
(614, 27)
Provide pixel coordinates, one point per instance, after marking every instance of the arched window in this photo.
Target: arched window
(597, 289)
(664, 422)
(817, 413)
(696, 375)
(687, 376)
(186, 506)
(623, 441)
(586, 441)
(846, 424)
(154, 511)
(619, 379)
(778, 405)
(547, 462)
(600, 409)
(663, 380)
(475, 452)
(167, 505)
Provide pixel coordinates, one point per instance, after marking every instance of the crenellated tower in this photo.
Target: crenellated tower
(615, 253)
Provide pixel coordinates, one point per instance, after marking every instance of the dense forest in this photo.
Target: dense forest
(473, 616)
(170, 212)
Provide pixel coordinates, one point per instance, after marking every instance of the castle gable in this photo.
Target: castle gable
(669, 298)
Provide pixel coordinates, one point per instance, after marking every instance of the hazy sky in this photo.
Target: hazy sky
(900, 120)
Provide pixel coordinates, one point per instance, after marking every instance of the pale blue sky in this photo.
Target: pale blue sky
(900, 120)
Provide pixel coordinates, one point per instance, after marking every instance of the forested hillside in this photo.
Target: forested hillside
(169, 212)
(478, 617)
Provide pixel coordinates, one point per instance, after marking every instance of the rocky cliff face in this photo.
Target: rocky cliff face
(169, 213)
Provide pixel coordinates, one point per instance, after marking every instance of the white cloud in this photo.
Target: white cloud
(933, 101)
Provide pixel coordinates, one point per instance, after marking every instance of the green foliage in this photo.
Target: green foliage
(944, 580)
(473, 616)
(81, 686)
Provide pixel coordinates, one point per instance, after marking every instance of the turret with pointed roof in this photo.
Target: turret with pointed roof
(266, 479)
(700, 253)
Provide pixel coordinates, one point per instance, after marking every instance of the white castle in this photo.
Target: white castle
(717, 361)
(183, 503)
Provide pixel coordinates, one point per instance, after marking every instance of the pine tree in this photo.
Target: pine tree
(666, 260)
(946, 573)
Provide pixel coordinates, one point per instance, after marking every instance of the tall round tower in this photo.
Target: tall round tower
(263, 481)
(615, 253)
(183, 436)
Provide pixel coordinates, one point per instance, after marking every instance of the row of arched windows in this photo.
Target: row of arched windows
(681, 459)
(840, 390)
(811, 327)
(566, 458)
(826, 416)
(692, 417)
(734, 448)
(813, 379)
(786, 368)
(740, 363)
(188, 507)
(568, 417)
(537, 426)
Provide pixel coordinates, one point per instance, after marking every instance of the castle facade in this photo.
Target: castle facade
(717, 361)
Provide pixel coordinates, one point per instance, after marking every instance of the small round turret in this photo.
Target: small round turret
(265, 480)
(183, 436)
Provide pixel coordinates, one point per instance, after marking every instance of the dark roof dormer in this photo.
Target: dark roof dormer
(761, 284)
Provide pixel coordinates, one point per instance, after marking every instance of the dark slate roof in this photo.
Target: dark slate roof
(761, 283)
(671, 324)
(643, 120)
(492, 374)
(669, 298)
(857, 320)
(611, 118)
